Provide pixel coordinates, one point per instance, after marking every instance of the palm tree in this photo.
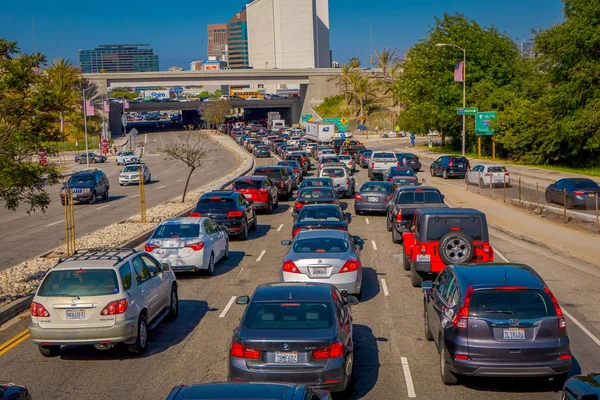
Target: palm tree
(342, 81)
(386, 58)
(354, 62)
(362, 90)
(61, 79)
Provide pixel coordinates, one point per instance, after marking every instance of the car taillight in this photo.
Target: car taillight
(235, 214)
(289, 266)
(398, 164)
(195, 214)
(239, 351)
(38, 310)
(372, 165)
(295, 232)
(562, 323)
(488, 174)
(350, 163)
(281, 184)
(347, 181)
(150, 247)
(423, 249)
(358, 197)
(487, 248)
(115, 307)
(320, 166)
(578, 193)
(351, 266)
(196, 246)
(564, 357)
(461, 357)
(399, 216)
(461, 319)
(450, 163)
(390, 179)
(299, 205)
(335, 350)
(506, 174)
(388, 197)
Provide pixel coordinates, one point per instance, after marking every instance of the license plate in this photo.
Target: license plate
(74, 195)
(338, 185)
(423, 257)
(172, 251)
(460, 165)
(372, 199)
(75, 314)
(513, 333)
(289, 357)
(248, 196)
(319, 271)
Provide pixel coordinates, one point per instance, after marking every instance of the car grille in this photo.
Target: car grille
(77, 190)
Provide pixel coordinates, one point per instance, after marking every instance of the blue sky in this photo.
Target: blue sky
(177, 32)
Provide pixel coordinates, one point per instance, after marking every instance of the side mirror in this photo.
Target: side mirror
(443, 196)
(286, 242)
(351, 300)
(359, 242)
(348, 216)
(242, 300)
(166, 267)
(427, 285)
(223, 228)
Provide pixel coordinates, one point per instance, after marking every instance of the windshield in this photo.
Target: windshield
(496, 169)
(367, 154)
(345, 157)
(382, 187)
(80, 282)
(511, 304)
(334, 172)
(271, 173)
(127, 153)
(249, 184)
(288, 315)
(176, 231)
(315, 182)
(319, 214)
(131, 168)
(80, 179)
(321, 245)
(215, 201)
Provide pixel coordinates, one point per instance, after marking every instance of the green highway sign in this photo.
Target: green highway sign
(467, 111)
(482, 123)
(339, 123)
(306, 117)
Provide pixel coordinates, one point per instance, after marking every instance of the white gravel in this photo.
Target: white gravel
(24, 278)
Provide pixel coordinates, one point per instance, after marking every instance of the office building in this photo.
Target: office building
(289, 34)
(196, 65)
(217, 40)
(213, 64)
(118, 58)
(526, 48)
(237, 41)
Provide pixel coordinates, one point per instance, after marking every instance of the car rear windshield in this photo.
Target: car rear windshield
(316, 193)
(367, 153)
(315, 182)
(80, 282)
(334, 172)
(511, 304)
(321, 245)
(384, 155)
(439, 226)
(176, 231)
(497, 169)
(404, 182)
(459, 160)
(318, 214)
(289, 315)
(408, 155)
(414, 197)
(585, 184)
(271, 173)
(382, 187)
(215, 201)
(248, 184)
(131, 168)
(401, 172)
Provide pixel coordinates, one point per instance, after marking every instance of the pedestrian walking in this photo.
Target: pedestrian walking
(412, 138)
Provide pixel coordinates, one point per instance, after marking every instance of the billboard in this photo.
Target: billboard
(156, 94)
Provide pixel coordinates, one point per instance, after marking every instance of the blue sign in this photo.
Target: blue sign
(325, 129)
(362, 127)
(177, 90)
(342, 135)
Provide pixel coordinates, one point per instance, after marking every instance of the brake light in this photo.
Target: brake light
(488, 174)
(399, 216)
(450, 163)
(295, 232)
(358, 197)
(195, 214)
(487, 248)
(196, 246)
(239, 351)
(351, 266)
(38, 310)
(299, 205)
(289, 266)
(564, 357)
(235, 214)
(150, 247)
(578, 193)
(398, 164)
(347, 181)
(510, 288)
(115, 307)
(562, 323)
(388, 197)
(350, 163)
(423, 249)
(281, 184)
(461, 357)
(390, 179)
(461, 319)
(335, 350)
(372, 165)
(506, 174)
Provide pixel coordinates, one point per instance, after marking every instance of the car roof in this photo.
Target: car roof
(292, 291)
(322, 233)
(449, 211)
(490, 165)
(183, 220)
(487, 275)
(268, 167)
(234, 390)
(96, 258)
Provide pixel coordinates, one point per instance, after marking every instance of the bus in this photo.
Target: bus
(247, 92)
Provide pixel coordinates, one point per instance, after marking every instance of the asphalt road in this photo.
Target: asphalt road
(24, 236)
(392, 358)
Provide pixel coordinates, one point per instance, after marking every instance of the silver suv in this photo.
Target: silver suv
(343, 180)
(93, 298)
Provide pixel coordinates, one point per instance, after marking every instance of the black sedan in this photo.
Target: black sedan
(294, 332)
(402, 172)
(246, 391)
(230, 209)
(314, 195)
(409, 160)
(320, 216)
(580, 192)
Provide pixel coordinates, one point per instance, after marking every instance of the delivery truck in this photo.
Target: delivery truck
(320, 131)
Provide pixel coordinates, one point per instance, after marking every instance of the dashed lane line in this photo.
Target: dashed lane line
(385, 288)
(163, 186)
(262, 253)
(374, 245)
(227, 307)
(101, 207)
(280, 226)
(410, 387)
(54, 223)
(500, 255)
(367, 221)
(135, 195)
(179, 180)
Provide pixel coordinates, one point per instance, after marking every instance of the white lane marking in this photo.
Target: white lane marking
(227, 307)
(239, 273)
(277, 157)
(179, 180)
(385, 289)
(500, 254)
(162, 187)
(193, 174)
(136, 195)
(374, 245)
(145, 138)
(262, 253)
(104, 206)
(291, 210)
(280, 226)
(367, 220)
(54, 223)
(410, 387)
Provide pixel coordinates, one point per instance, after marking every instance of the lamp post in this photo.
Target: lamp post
(371, 42)
(464, 79)
(87, 155)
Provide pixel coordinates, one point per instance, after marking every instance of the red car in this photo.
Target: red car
(260, 189)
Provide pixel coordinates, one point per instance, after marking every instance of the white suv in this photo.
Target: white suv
(92, 298)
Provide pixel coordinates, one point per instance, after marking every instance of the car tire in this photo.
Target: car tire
(548, 199)
(174, 304)
(49, 351)
(448, 378)
(93, 161)
(105, 195)
(116, 162)
(244, 234)
(149, 179)
(141, 339)
(93, 199)
(226, 254)
(415, 277)
(558, 381)
(405, 261)
(428, 334)
(255, 223)
(456, 242)
(445, 174)
(388, 224)
(210, 271)
(396, 236)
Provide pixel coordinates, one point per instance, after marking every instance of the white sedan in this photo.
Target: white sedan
(131, 174)
(127, 157)
(488, 174)
(189, 244)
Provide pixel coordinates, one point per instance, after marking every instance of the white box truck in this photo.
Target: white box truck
(320, 131)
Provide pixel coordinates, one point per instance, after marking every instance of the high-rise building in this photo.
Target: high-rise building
(119, 58)
(289, 34)
(196, 65)
(526, 48)
(237, 41)
(217, 40)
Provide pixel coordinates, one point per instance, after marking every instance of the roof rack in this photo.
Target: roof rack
(99, 253)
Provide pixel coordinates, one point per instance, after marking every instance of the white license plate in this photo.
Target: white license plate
(513, 333)
(74, 195)
(460, 165)
(75, 314)
(372, 199)
(319, 271)
(289, 357)
(423, 257)
(172, 251)
(248, 196)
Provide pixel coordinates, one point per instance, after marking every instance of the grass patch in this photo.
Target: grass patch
(93, 143)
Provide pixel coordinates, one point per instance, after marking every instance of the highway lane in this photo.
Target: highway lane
(47, 229)
(388, 327)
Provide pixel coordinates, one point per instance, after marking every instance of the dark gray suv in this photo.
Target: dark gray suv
(86, 186)
(496, 320)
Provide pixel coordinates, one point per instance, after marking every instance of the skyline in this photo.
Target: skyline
(182, 39)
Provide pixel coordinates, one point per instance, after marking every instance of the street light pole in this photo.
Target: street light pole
(371, 42)
(87, 155)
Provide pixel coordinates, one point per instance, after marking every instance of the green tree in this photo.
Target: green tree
(342, 81)
(385, 59)
(61, 78)
(354, 62)
(215, 112)
(363, 91)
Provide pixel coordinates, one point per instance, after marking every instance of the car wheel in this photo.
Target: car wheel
(445, 174)
(141, 339)
(244, 234)
(93, 161)
(49, 351)
(396, 236)
(226, 254)
(428, 334)
(431, 171)
(405, 261)
(105, 195)
(388, 224)
(255, 224)
(174, 305)
(558, 382)
(415, 277)
(569, 202)
(93, 199)
(117, 162)
(548, 199)
(448, 378)
(210, 271)
(149, 178)
(456, 248)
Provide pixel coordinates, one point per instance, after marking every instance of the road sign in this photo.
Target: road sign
(344, 121)
(105, 150)
(340, 123)
(467, 111)
(133, 132)
(43, 160)
(483, 121)
(42, 152)
(177, 90)
(104, 144)
(306, 117)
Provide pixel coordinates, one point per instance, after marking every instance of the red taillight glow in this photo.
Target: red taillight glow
(562, 323)
(195, 214)
(295, 232)
(289, 266)
(38, 310)
(461, 319)
(281, 184)
(239, 351)
(333, 351)
(115, 307)
(298, 205)
(196, 246)
(461, 357)
(510, 288)
(399, 216)
(358, 197)
(564, 357)
(398, 164)
(578, 193)
(372, 165)
(235, 214)
(150, 247)
(351, 266)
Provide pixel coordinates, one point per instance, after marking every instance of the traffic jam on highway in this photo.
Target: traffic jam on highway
(296, 336)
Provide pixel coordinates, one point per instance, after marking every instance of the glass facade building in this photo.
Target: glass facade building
(237, 41)
(119, 58)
